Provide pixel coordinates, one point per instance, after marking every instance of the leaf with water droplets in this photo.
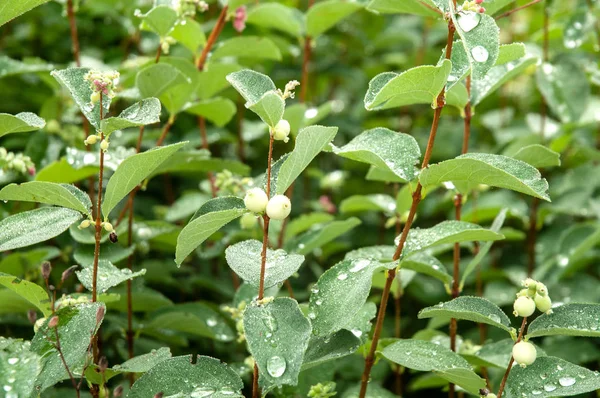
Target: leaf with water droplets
(385, 149)
(179, 377)
(31, 227)
(208, 219)
(484, 168)
(420, 85)
(51, 193)
(577, 27)
(340, 293)
(326, 14)
(260, 94)
(20, 123)
(108, 275)
(30, 291)
(320, 234)
(76, 326)
(415, 7)
(145, 112)
(216, 110)
(12, 9)
(73, 80)
(551, 377)
(330, 348)
(277, 335)
(480, 38)
(469, 308)
(132, 171)
(568, 319)
(19, 367)
(538, 156)
(373, 202)
(244, 258)
(156, 79)
(428, 265)
(160, 20)
(426, 356)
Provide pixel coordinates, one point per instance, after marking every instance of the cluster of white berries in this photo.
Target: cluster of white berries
(86, 223)
(277, 208)
(165, 44)
(16, 162)
(188, 8)
(524, 353)
(534, 295)
(102, 84)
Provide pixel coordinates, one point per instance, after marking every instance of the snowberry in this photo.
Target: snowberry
(107, 226)
(104, 145)
(524, 353)
(91, 140)
(84, 224)
(248, 221)
(524, 306)
(256, 200)
(543, 303)
(279, 207)
(541, 289)
(95, 97)
(281, 131)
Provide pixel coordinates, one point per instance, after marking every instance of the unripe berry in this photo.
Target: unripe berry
(541, 289)
(256, 200)
(279, 207)
(524, 353)
(91, 140)
(95, 97)
(543, 303)
(84, 224)
(281, 131)
(104, 145)
(107, 226)
(248, 221)
(524, 306)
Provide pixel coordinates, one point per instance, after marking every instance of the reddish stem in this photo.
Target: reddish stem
(212, 38)
(512, 360)
(508, 13)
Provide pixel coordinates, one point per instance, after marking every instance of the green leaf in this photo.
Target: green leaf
(217, 110)
(374, 202)
(156, 79)
(244, 258)
(108, 275)
(552, 377)
(444, 233)
(160, 20)
(20, 123)
(21, 262)
(277, 335)
(567, 101)
(84, 255)
(208, 219)
(340, 293)
(31, 227)
(13, 8)
(19, 367)
(276, 16)
(483, 250)
(420, 85)
(538, 156)
(12, 67)
(132, 171)
(480, 38)
(190, 34)
(179, 376)
(30, 291)
(139, 364)
(457, 97)
(260, 94)
(319, 235)
(62, 195)
(577, 27)
(385, 149)
(254, 47)
(193, 162)
(310, 141)
(493, 170)
(73, 80)
(197, 319)
(76, 327)
(568, 319)
(213, 79)
(330, 348)
(402, 7)
(326, 14)
(475, 309)
(425, 264)
(426, 356)
(145, 112)
(510, 52)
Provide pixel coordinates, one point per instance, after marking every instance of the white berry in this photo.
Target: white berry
(248, 221)
(543, 303)
(524, 306)
(281, 131)
(524, 353)
(256, 200)
(279, 207)
(104, 145)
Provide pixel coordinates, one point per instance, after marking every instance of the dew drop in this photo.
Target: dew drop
(12, 361)
(276, 366)
(549, 387)
(480, 54)
(356, 332)
(211, 322)
(359, 265)
(202, 392)
(342, 276)
(566, 381)
(468, 20)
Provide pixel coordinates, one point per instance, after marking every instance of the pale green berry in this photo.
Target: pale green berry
(95, 97)
(84, 224)
(281, 131)
(491, 395)
(524, 306)
(107, 226)
(256, 200)
(91, 140)
(279, 207)
(104, 145)
(248, 221)
(541, 289)
(543, 303)
(524, 353)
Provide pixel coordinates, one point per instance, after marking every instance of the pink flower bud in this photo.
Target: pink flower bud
(100, 314)
(481, 10)
(53, 322)
(32, 316)
(239, 21)
(46, 269)
(31, 170)
(478, 1)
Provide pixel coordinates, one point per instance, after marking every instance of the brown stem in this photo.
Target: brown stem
(512, 360)
(74, 37)
(305, 65)
(212, 38)
(370, 359)
(158, 53)
(165, 130)
(240, 130)
(532, 236)
(398, 333)
(510, 12)
(546, 55)
(62, 358)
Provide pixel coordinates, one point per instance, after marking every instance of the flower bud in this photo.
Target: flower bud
(107, 226)
(32, 316)
(256, 200)
(279, 207)
(543, 303)
(46, 269)
(31, 170)
(91, 140)
(118, 392)
(159, 395)
(113, 237)
(84, 224)
(53, 322)
(67, 273)
(104, 145)
(281, 131)
(95, 97)
(524, 353)
(100, 314)
(103, 364)
(524, 306)
(478, 1)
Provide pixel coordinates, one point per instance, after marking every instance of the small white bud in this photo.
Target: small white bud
(524, 353)
(91, 140)
(104, 145)
(107, 226)
(281, 131)
(524, 306)
(279, 207)
(256, 200)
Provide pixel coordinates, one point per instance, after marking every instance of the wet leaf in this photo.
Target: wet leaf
(326, 14)
(480, 38)
(19, 367)
(30, 291)
(20, 123)
(62, 195)
(330, 348)
(108, 275)
(145, 112)
(568, 319)
(320, 234)
(260, 94)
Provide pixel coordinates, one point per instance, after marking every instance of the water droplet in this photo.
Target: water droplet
(536, 392)
(549, 387)
(342, 276)
(356, 332)
(359, 265)
(276, 366)
(270, 323)
(468, 20)
(12, 361)
(480, 54)
(566, 381)
(202, 392)
(494, 318)
(211, 322)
